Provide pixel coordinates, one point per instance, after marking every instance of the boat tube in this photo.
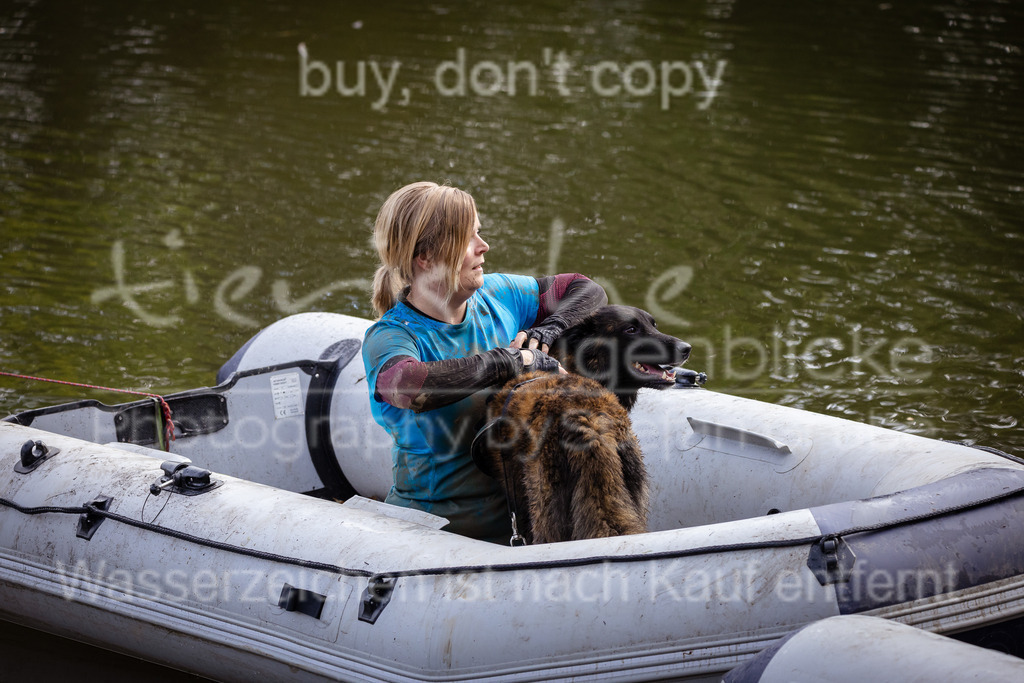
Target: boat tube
(856, 648)
(231, 556)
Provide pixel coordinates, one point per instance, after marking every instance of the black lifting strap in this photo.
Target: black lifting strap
(479, 450)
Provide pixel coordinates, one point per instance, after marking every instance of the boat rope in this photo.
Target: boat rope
(164, 437)
(94, 510)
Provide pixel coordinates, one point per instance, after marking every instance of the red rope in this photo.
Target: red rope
(168, 423)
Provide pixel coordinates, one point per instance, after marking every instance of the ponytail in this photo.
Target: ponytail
(385, 291)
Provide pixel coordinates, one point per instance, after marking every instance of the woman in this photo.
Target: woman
(447, 331)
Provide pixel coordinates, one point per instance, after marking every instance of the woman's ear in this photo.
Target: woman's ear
(423, 261)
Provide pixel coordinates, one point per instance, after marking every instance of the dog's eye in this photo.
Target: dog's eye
(631, 330)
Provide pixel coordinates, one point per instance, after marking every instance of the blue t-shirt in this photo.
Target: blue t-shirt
(432, 467)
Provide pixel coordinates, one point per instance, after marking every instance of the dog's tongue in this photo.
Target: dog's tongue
(658, 371)
(662, 372)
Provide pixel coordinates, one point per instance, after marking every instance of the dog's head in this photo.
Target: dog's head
(621, 348)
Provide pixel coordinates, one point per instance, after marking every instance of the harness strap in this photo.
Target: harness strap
(510, 482)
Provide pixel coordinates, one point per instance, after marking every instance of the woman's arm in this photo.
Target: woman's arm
(405, 382)
(408, 383)
(564, 301)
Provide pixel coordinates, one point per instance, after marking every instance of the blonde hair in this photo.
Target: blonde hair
(426, 219)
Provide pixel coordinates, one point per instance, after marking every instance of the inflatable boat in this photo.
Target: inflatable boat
(257, 546)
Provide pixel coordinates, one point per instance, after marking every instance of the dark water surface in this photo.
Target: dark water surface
(824, 199)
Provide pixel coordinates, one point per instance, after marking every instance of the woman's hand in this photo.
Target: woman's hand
(539, 360)
(542, 336)
(535, 343)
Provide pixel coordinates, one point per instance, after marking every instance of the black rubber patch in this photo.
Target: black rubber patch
(302, 601)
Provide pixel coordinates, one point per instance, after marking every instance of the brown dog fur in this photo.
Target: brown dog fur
(563, 445)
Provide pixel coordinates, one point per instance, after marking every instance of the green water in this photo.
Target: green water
(827, 206)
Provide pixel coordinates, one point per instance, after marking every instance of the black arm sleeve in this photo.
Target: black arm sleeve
(405, 382)
(564, 301)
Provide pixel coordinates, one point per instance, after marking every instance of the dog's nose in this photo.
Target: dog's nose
(684, 350)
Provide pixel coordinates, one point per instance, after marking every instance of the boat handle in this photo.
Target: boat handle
(736, 434)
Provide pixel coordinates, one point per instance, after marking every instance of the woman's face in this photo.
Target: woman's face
(471, 275)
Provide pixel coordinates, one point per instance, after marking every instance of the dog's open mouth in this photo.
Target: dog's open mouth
(654, 372)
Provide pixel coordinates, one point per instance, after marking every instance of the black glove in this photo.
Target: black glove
(542, 362)
(547, 333)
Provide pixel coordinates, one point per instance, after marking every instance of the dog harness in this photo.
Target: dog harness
(479, 449)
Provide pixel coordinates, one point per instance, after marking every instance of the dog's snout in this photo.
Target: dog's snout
(683, 349)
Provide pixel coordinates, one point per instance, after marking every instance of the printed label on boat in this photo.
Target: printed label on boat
(287, 392)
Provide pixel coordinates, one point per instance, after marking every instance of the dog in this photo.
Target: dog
(563, 445)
